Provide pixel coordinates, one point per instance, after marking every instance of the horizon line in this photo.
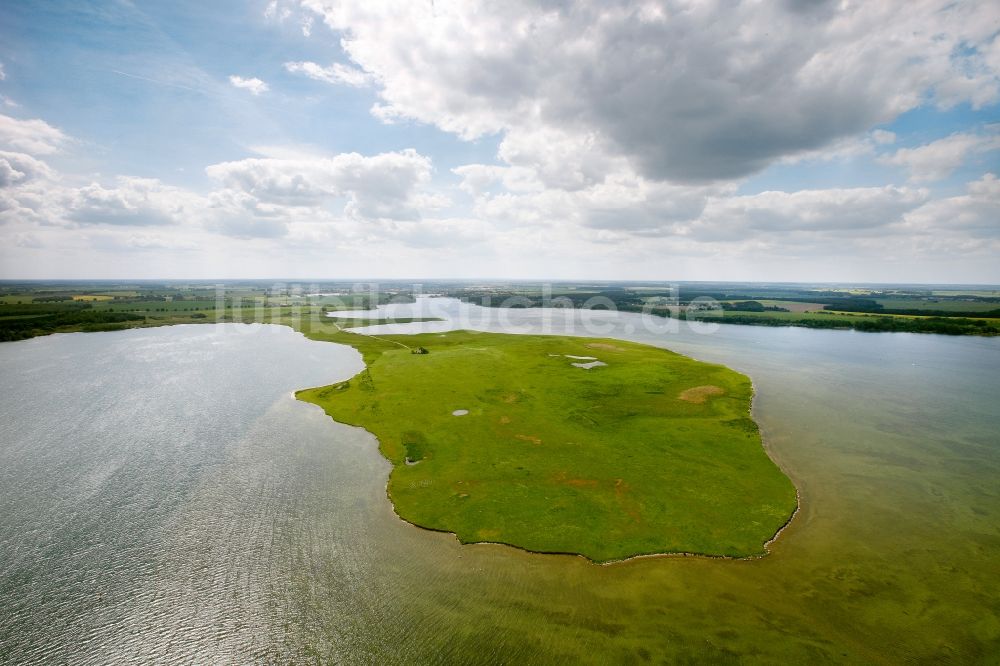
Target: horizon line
(420, 280)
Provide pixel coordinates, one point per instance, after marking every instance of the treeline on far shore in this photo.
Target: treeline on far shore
(862, 321)
(79, 319)
(869, 323)
(871, 306)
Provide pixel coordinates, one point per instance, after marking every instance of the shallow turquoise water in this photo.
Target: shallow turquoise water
(164, 499)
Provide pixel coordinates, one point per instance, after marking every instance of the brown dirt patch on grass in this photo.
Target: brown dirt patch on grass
(604, 345)
(700, 394)
(562, 478)
(628, 505)
(800, 307)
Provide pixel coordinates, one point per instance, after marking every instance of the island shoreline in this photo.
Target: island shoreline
(768, 450)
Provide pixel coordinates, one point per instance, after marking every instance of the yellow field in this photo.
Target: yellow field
(791, 306)
(900, 316)
(93, 297)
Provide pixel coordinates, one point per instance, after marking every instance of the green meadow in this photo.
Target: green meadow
(501, 438)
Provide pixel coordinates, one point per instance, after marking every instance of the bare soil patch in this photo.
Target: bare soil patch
(604, 345)
(700, 394)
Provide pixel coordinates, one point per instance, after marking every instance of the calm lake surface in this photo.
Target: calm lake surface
(163, 498)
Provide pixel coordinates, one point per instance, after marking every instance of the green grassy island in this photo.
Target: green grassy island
(528, 441)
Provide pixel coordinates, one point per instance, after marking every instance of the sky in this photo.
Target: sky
(788, 140)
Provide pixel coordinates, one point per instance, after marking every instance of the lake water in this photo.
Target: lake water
(163, 498)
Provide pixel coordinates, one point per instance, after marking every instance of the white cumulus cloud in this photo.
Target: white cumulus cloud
(976, 213)
(131, 201)
(684, 90)
(18, 169)
(938, 159)
(35, 136)
(254, 85)
(336, 73)
(777, 216)
(387, 186)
